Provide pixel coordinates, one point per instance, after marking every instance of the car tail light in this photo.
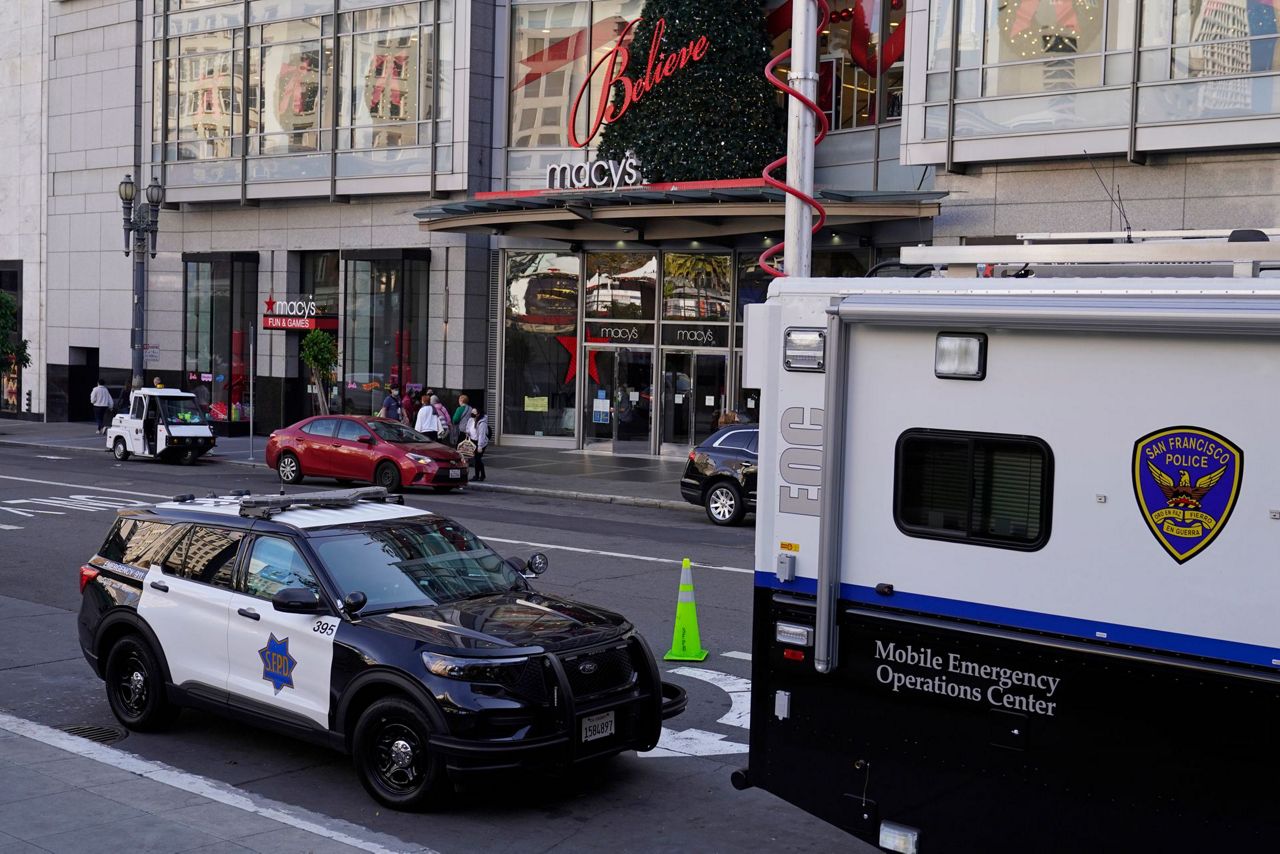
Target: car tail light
(693, 455)
(87, 573)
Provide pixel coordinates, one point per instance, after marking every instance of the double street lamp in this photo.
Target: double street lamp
(140, 223)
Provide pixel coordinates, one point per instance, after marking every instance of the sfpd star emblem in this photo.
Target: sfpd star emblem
(277, 663)
(1186, 480)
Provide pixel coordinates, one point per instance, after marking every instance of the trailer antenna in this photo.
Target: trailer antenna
(1115, 200)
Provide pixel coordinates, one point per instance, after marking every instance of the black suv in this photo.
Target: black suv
(357, 622)
(721, 474)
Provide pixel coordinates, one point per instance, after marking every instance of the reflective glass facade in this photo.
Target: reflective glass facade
(221, 312)
(1048, 66)
(287, 90)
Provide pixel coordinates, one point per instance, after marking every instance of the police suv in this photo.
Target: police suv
(351, 620)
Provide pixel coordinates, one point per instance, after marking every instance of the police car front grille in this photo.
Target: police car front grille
(599, 671)
(528, 682)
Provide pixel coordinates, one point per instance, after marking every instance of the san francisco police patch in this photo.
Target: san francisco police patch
(277, 663)
(1186, 480)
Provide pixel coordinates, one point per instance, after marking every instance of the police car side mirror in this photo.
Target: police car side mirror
(537, 563)
(354, 601)
(296, 600)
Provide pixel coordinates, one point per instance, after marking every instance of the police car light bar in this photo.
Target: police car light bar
(265, 506)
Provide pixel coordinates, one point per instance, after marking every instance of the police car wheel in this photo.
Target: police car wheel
(391, 756)
(120, 449)
(135, 686)
(387, 476)
(724, 503)
(290, 468)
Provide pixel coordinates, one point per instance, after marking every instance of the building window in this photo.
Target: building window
(621, 285)
(11, 375)
(977, 488)
(274, 99)
(221, 294)
(695, 286)
(540, 347)
(385, 328)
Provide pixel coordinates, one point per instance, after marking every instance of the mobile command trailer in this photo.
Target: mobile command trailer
(1018, 556)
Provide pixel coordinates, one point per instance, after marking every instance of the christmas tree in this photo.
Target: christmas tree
(713, 116)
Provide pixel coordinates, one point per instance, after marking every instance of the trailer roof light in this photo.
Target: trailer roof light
(958, 356)
(793, 634)
(899, 837)
(804, 349)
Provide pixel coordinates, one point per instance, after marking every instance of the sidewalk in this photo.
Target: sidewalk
(59, 792)
(636, 481)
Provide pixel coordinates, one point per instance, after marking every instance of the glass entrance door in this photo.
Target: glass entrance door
(618, 405)
(694, 398)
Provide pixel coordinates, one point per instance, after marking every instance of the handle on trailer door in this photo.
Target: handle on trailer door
(830, 521)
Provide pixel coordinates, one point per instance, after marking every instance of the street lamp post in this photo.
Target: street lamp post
(140, 224)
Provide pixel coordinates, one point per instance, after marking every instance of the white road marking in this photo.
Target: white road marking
(676, 561)
(697, 742)
(50, 457)
(742, 656)
(738, 689)
(84, 486)
(318, 825)
(693, 742)
(10, 527)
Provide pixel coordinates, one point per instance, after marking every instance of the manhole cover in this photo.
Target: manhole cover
(100, 734)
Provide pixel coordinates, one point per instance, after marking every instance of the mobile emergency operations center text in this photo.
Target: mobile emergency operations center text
(1017, 582)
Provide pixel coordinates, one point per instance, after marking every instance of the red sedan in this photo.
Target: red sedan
(346, 447)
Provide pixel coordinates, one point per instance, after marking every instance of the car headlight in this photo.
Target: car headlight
(499, 670)
(419, 458)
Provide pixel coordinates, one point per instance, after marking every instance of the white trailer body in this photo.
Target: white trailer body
(1046, 589)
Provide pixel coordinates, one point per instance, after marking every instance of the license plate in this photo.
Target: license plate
(455, 474)
(597, 726)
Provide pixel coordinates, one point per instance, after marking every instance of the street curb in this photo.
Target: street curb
(597, 498)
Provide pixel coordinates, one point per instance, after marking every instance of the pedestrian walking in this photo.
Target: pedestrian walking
(102, 402)
(408, 409)
(444, 423)
(428, 420)
(391, 405)
(478, 433)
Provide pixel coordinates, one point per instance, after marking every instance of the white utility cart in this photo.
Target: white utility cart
(161, 423)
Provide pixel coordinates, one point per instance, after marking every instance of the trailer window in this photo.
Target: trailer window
(978, 488)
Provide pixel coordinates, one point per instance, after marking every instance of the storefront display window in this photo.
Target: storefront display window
(621, 285)
(220, 293)
(695, 286)
(385, 321)
(540, 348)
(11, 377)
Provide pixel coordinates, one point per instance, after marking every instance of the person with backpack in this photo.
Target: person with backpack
(444, 425)
(478, 433)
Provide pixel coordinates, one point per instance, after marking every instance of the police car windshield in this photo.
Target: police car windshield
(180, 410)
(418, 564)
(389, 431)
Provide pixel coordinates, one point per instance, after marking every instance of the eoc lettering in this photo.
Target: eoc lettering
(800, 466)
(1002, 687)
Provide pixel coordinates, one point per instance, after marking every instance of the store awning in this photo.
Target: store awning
(690, 212)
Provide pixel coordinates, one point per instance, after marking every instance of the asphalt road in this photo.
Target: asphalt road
(55, 508)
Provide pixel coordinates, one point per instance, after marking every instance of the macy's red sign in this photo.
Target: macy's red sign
(614, 64)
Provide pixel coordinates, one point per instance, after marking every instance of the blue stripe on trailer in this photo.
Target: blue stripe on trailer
(1114, 633)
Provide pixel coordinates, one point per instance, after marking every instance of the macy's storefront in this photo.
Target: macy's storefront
(633, 214)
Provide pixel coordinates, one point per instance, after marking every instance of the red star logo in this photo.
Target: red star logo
(570, 343)
(271, 304)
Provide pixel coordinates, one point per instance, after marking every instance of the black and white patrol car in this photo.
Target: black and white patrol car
(370, 626)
